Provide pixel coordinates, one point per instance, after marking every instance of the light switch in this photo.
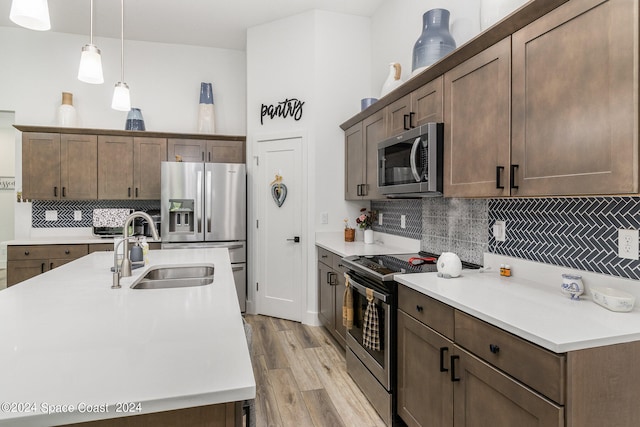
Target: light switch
(324, 218)
(403, 221)
(50, 215)
(380, 218)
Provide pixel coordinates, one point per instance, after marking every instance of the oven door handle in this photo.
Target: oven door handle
(363, 290)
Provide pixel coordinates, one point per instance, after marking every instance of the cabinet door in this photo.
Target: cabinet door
(477, 118)
(339, 328)
(427, 103)
(326, 296)
(225, 152)
(374, 130)
(575, 100)
(148, 153)
(78, 167)
(485, 396)
(425, 390)
(115, 167)
(41, 166)
(400, 116)
(18, 271)
(354, 162)
(189, 150)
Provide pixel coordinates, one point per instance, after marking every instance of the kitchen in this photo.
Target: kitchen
(269, 48)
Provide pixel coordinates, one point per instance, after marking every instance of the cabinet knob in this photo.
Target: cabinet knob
(26, 252)
(419, 308)
(66, 252)
(493, 348)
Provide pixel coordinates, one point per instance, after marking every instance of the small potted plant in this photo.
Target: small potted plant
(365, 221)
(349, 233)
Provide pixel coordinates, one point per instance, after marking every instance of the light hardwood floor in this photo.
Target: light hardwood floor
(301, 378)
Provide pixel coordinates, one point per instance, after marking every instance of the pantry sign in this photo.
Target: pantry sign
(7, 183)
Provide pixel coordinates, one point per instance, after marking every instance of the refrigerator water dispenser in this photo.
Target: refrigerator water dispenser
(181, 215)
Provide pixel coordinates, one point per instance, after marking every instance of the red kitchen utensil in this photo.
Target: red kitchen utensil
(422, 260)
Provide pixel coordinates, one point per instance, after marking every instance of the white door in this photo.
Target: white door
(280, 271)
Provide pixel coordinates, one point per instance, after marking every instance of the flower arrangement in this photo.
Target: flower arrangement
(365, 220)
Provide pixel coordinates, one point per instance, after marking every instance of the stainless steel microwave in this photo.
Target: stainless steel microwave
(410, 164)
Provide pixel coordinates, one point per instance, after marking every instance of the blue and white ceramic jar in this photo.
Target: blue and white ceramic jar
(134, 120)
(572, 285)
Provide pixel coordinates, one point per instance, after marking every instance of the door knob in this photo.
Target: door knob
(296, 239)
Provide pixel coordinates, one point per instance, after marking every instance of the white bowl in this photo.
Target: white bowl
(613, 299)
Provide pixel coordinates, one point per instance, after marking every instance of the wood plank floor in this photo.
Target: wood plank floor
(301, 378)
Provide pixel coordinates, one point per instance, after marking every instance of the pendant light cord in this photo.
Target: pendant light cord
(121, 40)
(91, 26)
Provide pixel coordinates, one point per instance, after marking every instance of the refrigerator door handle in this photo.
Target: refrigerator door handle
(207, 208)
(199, 196)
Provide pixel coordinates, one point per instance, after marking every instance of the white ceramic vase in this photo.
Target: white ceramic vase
(368, 236)
(394, 79)
(66, 112)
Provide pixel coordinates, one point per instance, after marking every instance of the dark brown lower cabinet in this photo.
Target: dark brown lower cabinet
(425, 390)
(331, 294)
(484, 396)
(25, 262)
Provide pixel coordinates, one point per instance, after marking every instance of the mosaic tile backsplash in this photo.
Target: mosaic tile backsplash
(579, 233)
(67, 208)
(392, 210)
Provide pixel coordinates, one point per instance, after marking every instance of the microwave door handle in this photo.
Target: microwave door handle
(414, 167)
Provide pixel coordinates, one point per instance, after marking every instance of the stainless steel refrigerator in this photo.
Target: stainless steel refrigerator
(204, 205)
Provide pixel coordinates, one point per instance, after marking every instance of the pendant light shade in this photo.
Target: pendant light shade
(31, 14)
(90, 70)
(121, 97)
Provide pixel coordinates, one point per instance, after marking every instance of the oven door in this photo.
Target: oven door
(412, 161)
(377, 361)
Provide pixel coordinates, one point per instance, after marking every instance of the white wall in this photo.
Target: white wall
(397, 24)
(323, 59)
(164, 81)
(7, 169)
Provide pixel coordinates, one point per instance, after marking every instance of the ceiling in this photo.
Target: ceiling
(213, 23)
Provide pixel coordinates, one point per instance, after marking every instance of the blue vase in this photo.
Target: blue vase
(435, 40)
(206, 93)
(134, 120)
(206, 115)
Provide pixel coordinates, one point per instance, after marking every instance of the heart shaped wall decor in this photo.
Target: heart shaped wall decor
(279, 193)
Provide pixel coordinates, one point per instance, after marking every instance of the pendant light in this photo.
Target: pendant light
(31, 14)
(121, 99)
(90, 70)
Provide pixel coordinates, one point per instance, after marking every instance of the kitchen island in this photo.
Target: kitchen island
(75, 350)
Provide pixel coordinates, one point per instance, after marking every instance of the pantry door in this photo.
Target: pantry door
(280, 285)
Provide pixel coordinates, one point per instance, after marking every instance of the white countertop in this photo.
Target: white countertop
(531, 309)
(63, 240)
(67, 338)
(384, 244)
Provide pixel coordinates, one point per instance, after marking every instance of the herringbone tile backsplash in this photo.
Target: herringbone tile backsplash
(66, 209)
(579, 233)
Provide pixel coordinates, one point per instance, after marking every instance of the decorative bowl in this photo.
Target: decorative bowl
(612, 299)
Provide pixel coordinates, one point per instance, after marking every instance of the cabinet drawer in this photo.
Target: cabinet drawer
(540, 369)
(325, 257)
(436, 315)
(17, 253)
(70, 252)
(100, 247)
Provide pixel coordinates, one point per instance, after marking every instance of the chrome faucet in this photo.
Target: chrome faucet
(125, 267)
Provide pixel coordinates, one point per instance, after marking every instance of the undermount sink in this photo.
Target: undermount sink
(162, 277)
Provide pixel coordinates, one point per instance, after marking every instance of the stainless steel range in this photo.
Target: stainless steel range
(373, 367)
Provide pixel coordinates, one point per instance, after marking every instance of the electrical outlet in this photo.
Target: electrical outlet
(403, 221)
(500, 231)
(628, 244)
(77, 215)
(380, 218)
(50, 215)
(324, 217)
